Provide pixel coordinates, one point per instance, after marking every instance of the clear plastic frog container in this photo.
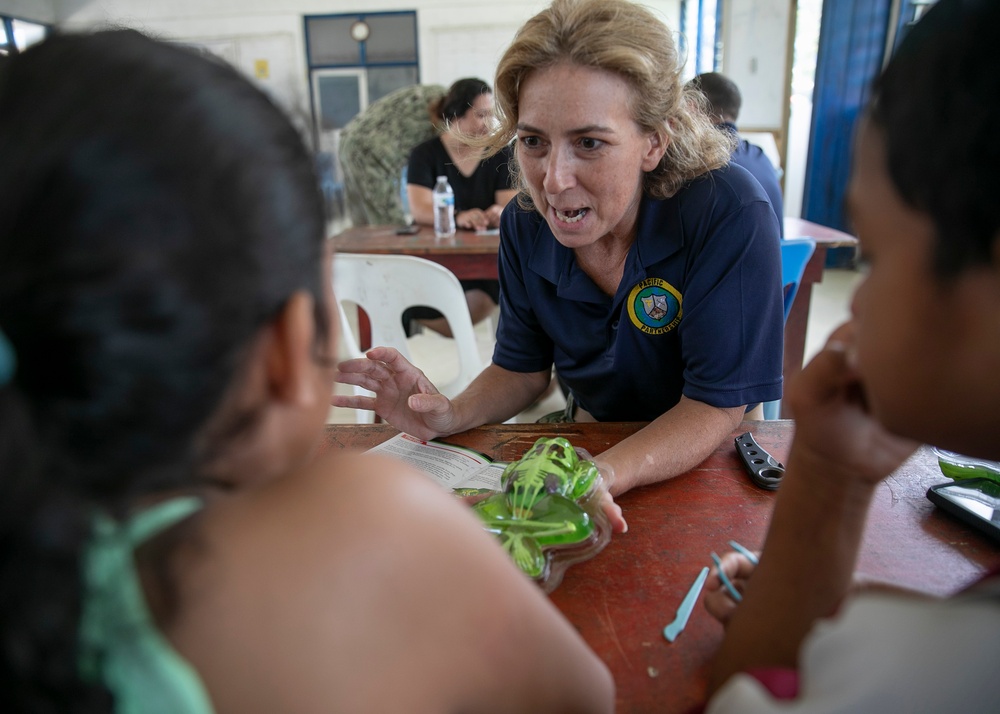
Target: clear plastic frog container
(548, 515)
(958, 467)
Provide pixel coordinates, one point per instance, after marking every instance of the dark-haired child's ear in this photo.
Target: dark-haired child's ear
(289, 358)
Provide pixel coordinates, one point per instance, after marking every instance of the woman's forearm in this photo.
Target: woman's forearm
(671, 445)
(498, 394)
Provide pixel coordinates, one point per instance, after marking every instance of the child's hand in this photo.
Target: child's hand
(835, 432)
(717, 599)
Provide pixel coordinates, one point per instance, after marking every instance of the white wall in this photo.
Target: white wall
(43, 11)
(457, 38)
(755, 35)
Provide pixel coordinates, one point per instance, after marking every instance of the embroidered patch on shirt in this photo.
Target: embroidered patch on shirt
(654, 306)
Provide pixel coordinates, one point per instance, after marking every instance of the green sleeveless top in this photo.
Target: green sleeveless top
(120, 645)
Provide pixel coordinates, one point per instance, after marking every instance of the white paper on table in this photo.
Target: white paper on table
(451, 466)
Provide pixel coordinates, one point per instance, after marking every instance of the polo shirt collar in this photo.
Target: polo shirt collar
(658, 236)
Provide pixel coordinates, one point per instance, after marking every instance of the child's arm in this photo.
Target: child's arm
(361, 585)
(838, 457)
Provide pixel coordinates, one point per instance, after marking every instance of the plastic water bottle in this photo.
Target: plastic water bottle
(444, 208)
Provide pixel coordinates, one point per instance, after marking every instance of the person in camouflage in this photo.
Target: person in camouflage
(375, 146)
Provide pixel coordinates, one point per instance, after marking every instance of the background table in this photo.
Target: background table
(468, 255)
(621, 599)
(474, 257)
(798, 317)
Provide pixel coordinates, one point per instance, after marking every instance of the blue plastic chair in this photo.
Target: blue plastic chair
(795, 254)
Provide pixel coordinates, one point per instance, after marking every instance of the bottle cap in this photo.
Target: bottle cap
(442, 178)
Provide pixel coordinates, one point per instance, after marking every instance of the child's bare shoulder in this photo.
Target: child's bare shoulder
(346, 504)
(357, 559)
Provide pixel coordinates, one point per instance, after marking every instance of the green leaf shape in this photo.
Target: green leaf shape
(556, 522)
(968, 468)
(467, 492)
(546, 517)
(550, 466)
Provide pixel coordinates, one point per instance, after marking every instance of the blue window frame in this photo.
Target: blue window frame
(357, 58)
(17, 35)
(706, 34)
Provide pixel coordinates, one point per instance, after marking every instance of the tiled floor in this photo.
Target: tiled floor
(433, 354)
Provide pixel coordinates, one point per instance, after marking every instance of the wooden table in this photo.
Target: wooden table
(621, 600)
(473, 257)
(468, 255)
(798, 317)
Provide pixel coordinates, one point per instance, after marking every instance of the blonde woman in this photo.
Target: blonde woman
(635, 259)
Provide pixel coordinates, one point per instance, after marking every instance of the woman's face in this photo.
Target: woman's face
(927, 351)
(582, 154)
(477, 120)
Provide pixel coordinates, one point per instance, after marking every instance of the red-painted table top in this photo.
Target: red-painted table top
(621, 600)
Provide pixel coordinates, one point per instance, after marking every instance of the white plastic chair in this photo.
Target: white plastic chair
(347, 346)
(386, 285)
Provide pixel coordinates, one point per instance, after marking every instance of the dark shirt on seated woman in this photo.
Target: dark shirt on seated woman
(430, 160)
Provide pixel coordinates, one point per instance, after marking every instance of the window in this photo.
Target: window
(18, 35)
(355, 59)
(700, 40)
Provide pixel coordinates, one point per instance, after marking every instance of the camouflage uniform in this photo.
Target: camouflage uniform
(375, 147)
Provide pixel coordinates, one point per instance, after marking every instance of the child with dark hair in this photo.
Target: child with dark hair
(918, 362)
(169, 542)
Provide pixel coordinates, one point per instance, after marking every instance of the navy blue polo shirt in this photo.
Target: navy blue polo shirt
(698, 312)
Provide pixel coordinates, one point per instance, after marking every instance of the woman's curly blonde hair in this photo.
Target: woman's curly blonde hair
(627, 39)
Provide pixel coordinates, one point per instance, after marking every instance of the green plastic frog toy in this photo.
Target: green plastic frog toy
(546, 506)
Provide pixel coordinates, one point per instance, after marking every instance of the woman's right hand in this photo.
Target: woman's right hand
(404, 397)
(473, 219)
(493, 215)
